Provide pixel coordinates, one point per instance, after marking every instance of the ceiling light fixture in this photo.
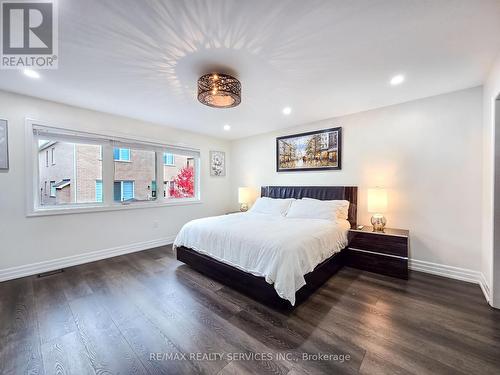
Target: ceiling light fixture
(31, 73)
(287, 111)
(227, 127)
(397, 80)
(219, 90)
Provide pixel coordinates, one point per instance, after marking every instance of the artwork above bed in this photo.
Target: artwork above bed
(316, 150)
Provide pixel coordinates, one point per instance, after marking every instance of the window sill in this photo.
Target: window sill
(77, 209)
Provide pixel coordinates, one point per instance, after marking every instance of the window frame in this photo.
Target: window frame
(107, 142)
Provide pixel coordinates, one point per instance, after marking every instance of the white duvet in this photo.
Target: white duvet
(280, 249)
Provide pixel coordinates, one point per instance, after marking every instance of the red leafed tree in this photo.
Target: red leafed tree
(183, 184)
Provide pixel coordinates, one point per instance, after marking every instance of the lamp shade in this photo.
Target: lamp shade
(244, 195)
(377, 200)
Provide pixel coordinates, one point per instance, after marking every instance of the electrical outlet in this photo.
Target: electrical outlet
(156, 224)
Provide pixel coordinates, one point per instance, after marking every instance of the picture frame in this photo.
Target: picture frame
(311, 151)
(4, 145)
(217, 163)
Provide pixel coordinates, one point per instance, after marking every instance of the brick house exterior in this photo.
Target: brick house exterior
(141, 169)
(88, 171)
(75, 170)
(56, 164)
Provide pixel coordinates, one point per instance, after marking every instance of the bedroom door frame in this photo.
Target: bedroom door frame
(495, 267)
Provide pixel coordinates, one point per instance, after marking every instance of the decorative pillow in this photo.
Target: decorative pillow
(265, 205)
(318, 209)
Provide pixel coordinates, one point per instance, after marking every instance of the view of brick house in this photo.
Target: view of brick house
(72, 173)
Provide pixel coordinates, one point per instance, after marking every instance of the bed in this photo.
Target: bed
(277, 260)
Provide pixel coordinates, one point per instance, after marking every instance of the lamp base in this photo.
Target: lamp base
(378, 222)
(243, 207)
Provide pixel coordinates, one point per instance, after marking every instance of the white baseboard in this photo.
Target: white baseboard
(483, 283)
(74, 260)
(456, 273)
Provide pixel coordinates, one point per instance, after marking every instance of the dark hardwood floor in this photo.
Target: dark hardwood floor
(126, 314)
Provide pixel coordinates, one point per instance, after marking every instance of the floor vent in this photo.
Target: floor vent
(50, 273)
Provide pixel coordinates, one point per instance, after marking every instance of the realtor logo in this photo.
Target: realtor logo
(29, 35)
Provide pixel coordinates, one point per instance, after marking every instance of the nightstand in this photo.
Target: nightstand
(381, 252)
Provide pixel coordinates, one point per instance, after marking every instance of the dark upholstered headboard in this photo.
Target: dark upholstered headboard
(348, 193)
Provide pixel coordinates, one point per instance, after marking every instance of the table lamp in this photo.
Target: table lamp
(244, 195)
(377, 205)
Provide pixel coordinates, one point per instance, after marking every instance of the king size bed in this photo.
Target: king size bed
(280, 251)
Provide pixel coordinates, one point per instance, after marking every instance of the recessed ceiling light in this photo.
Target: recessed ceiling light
(227, 127)
(397, 80)
(287, 111)
(31, 73)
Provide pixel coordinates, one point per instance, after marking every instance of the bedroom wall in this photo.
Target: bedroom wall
(25, 241)
(491, 184)
(427, 153)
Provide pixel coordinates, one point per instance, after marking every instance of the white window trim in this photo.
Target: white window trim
(33, 208)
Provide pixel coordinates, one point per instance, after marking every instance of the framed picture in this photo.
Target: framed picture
(217, 163)
(4, 145)
(312, 151)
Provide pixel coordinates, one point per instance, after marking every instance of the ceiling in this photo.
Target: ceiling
(322, 58)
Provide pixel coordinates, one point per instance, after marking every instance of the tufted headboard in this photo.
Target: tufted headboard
(349, 193)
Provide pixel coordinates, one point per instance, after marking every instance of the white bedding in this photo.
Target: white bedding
(280, 249)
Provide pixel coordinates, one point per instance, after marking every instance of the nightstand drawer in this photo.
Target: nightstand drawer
(383, 264)
(379, 243)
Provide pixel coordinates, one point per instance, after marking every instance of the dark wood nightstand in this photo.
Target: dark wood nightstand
(381, 252)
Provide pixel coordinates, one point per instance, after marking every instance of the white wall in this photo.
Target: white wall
(491, 224)
(428, 153)
(31, 240)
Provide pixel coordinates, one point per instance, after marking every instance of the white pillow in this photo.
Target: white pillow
(341, 207)
(317, 209)
(265, 205)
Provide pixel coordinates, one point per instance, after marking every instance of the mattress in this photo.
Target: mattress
(279, 249)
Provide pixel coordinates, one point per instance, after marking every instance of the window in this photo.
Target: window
(72, 181)
(168, 159)
(132, 181)
(179, 178)
(90, 165)
(124, 191)
(121, 154)
(52, 189)
(98, 190)
(153, 189)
